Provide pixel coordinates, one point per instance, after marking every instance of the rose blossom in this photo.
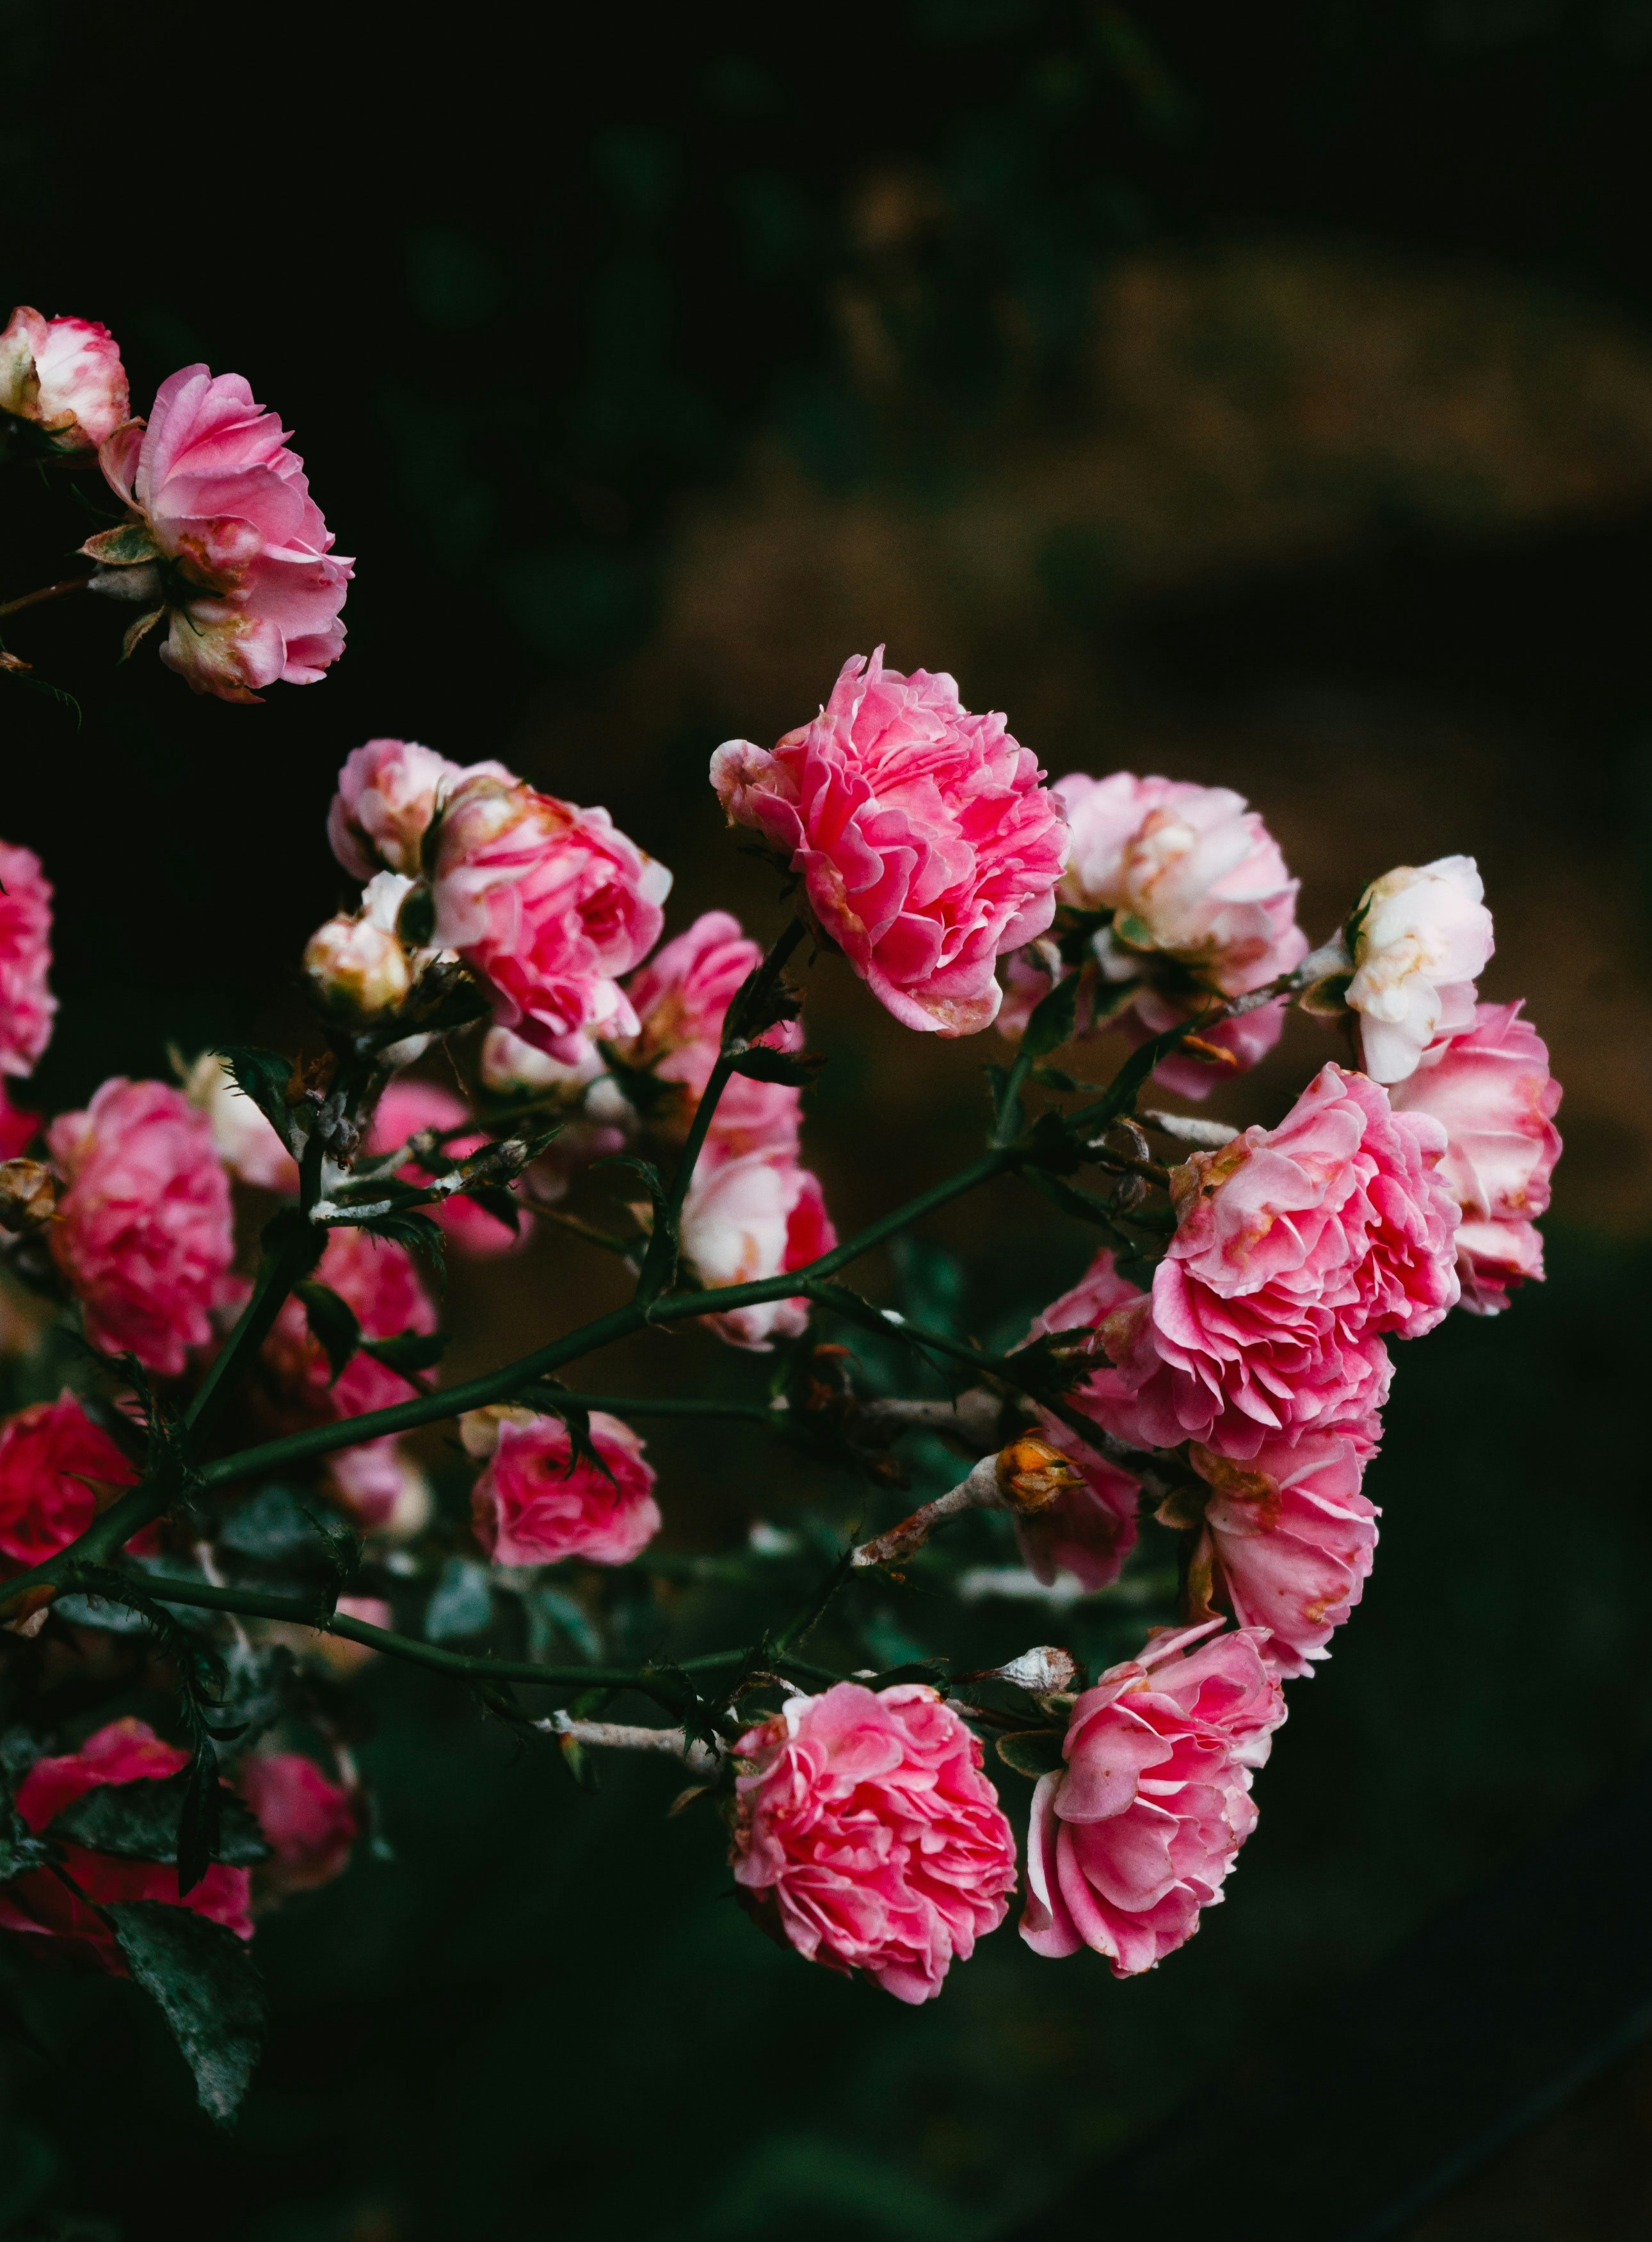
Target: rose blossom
(247, 1143)
(1491, 1090)
(927, 845)
(867, 1835)
(680, 998)
(389, 792)
(65, 375)
(550, 903)
(405, 1110)
(534, 1502)
(1422, 937)
(41, 1904)
(57, 1470)
(356, 963)
(1288, 1538)
(1136, 1834)
(18, 1129)
(1295, 1248)
(310, 1823)
(248, 570)
(143, 1234)
(380, 1486)
(1090, 1530)
(756, 1215)
(27, 1006)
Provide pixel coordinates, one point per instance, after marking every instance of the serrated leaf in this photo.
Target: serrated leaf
(760, 1065)
(1053, 1018)
(499, 1203)
(205, 1983)
(333, 1324)
(263, 1076)
(1032, 1751)
(418, 1234)
(139, 1822)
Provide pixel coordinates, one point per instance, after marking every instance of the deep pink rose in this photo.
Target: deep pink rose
(18, 1129)
(247, 571)
(551, 903)
(65, 375)
(1289, 1537)
(534, 1502)
(39, 1904)
(927, 845)
(867, 1837)
(27, 1006)
(753, 1215)
(680, 998)
(310, 1823)
(408, 1107)
(143, 1234)
(1135, 1836)
(377, 1280)
(1296, 1248)
(57, 1470)
(1491, 1090)
(389, 792)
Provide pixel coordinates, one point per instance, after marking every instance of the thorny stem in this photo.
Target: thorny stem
(292, 1260)
(979, 1490)
(47, 592)
(619, 1736)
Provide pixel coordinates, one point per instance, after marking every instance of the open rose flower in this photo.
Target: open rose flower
(389, 793)
(27, 1006)
(57, 1470)
(680, 998)
(1135, 1836)
(225, 540)
(535, 1502)
(1490, 1089)
(1295, 1248)
(65, 375)
(405, 1110)
(927, 845)
(1288, 1538)
(550, 903)
(867, 1836)
(309, 1822)
(39, 1904)
(1421, 936)
(142, 1234)
(756, 1215)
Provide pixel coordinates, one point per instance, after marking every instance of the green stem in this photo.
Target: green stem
(292, 1260)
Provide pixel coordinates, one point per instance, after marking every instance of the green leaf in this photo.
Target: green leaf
(20, 1849)
(263, 1076)
(333, 1325)
(462, 1604)
(205, 1983)
(1032, 1751)
(419, 1234)
(1053, 1019)
(760, 1065)
(139, 1822)
(408, 1351)
(1077, 1204)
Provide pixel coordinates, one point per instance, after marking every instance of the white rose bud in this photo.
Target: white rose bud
(357, 968)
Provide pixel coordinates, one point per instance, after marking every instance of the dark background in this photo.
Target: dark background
(1263, 396)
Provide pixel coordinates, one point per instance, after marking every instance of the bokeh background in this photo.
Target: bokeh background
(1258, 397)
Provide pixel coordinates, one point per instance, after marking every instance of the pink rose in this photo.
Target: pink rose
(1421, 938)
(39, 1904)
(246, 564)
(27, 1006)
(18, 1128)
(927, 845)
(534, 1502)
(57, 1470)
(867, 1837)
(1295, 1248)
(142, 1234)
(1224, 1048)
(408, 1107)
(753, 1216)
(1289, 1538)
(389, 792)
(1490, 1089)
(379, 1486)
(65, 375)
(1136, 1834)
(310, 1823)
(550, 903)
(680, 998)
(1087, 1531)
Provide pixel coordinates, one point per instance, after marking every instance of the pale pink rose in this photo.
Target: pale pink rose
(1296, 1248)
(927, 845)
(405, 1110)
(40, 1904)
(389, 793)
(357, 966)
(65, 375)
(247, 571)
(753, 1216)
(550, 903)
(309, 1822)
(1135, 1836)
(1422, 937)
(1490, 1089)
(27, 1006)
(534, 1502)
(680, 998)
(1191, 874)
(57, 1470)
(382, 1489)
(867, 1836)
(1289, 1537)
(144, 1235)
(246, 1144)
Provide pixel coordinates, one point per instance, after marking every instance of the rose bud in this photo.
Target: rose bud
(65, 375)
